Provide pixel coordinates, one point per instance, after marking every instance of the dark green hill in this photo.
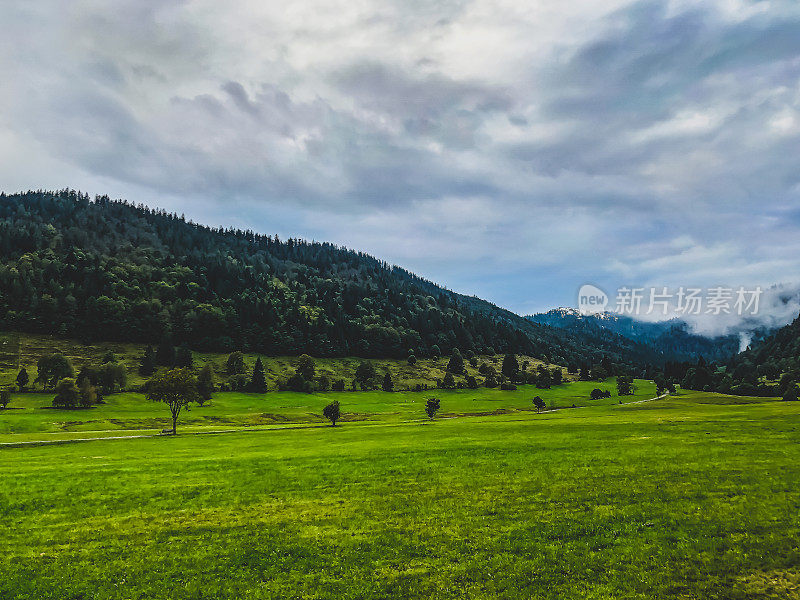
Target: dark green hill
(109, 270)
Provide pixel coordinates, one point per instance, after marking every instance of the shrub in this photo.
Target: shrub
(67, 394)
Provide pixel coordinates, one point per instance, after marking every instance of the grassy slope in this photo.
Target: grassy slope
(692, 497)
(19, 349)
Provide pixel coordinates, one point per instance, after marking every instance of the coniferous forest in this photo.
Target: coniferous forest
(101, 269)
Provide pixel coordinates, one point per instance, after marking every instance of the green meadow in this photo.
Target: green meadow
(30, 416)
(694, 496)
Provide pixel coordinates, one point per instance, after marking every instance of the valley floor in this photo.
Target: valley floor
(694, 496)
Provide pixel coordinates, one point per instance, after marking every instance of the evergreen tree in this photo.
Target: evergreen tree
(365, 374)
(183, 357)
(510, 366)
(235, 364)
(448, 382)
(147, 366)
(259, 381)
(165, 355)
(456, 364)
(22, 379)
(387, 384)
(205, 384)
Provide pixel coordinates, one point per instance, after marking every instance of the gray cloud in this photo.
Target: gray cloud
(513, 151)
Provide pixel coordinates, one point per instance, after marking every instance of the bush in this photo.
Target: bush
(508, 387)
(597, 394)
(67, 394)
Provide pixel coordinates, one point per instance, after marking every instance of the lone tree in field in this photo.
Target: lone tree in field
(661, 384)
(5, 397)
(259, 382)
(332, 412)
(176, 388)
(22, 379)
(625, 385)
(205, 384)
(539, 404)
(432, 407)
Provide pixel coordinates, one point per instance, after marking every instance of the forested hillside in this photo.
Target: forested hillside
(100, 269)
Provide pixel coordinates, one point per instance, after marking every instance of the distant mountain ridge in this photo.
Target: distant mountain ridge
(673, 340)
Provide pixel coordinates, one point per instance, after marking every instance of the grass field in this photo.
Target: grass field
(695, 496)
(30, 417)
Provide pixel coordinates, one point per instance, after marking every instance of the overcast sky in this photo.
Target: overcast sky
(509, 149)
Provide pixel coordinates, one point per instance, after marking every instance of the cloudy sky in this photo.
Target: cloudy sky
(510, 149)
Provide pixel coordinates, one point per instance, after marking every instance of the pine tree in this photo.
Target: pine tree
(510, 366)
(205, 384)
(165, 356)
(183, 357)
(448, 382)
(259, 382)
(456, 364)
(148, 364)
(387, 385)
(22, 379)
